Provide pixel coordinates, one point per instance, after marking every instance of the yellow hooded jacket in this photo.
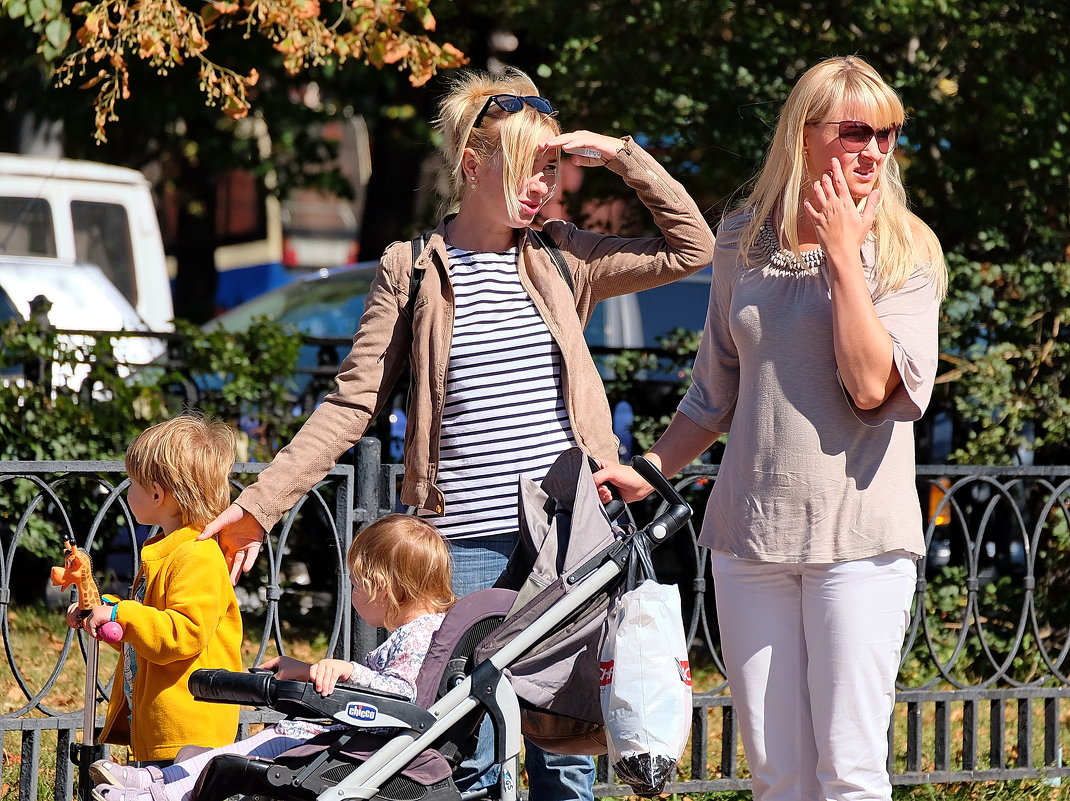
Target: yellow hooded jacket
(189, 619)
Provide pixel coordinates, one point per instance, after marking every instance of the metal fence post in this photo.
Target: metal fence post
(369, 467)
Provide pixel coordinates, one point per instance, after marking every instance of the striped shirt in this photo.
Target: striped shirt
(504, 415)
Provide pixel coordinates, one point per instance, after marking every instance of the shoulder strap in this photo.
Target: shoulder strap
(418, 244)
(546, 241)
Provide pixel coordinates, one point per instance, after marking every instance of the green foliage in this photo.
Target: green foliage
(246, 378)
(653, 383)
(1007, 339)
(972, 640)
(243, 376)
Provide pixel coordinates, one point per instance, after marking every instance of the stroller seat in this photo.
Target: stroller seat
(316, 766)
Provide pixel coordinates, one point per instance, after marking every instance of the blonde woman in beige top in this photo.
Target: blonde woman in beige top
(819, 351)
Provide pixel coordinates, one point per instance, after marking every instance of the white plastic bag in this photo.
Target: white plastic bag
(646, 686)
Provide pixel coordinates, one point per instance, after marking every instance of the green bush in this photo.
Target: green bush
(245, 378)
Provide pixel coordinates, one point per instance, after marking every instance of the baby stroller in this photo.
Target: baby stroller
(526, 655)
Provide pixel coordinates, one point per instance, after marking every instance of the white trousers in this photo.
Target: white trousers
(812, 653)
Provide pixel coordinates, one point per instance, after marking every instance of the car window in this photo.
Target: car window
(7, 309)
(681, 304)
(26, 227)
(102, 237)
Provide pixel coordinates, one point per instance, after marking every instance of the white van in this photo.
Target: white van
(63, 214)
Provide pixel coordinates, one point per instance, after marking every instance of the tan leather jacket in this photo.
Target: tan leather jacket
(602, 266)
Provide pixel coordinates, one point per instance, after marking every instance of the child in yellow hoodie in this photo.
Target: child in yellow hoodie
(182, 614)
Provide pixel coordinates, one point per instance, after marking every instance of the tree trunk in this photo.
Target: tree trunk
(195, 241)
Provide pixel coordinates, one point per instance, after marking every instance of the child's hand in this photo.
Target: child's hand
(328, 672)
(74, 616)
(97, 617)
(287, 668)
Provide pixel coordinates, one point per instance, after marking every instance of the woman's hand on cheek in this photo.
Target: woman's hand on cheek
(586, 148)
(835, 213)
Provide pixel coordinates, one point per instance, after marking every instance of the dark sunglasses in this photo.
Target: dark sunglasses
(855, 135)
(511, 104)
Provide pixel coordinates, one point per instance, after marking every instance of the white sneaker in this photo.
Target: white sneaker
(111, 773)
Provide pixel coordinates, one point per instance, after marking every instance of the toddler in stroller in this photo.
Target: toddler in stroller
(526, 655)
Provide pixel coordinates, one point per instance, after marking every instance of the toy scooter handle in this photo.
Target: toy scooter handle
(678, 511)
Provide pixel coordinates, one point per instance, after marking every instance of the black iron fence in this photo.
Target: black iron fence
(983, 676)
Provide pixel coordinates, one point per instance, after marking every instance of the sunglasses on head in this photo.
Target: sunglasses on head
(855, 135)
(511, 104)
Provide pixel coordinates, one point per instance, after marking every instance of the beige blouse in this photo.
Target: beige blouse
(807, 476)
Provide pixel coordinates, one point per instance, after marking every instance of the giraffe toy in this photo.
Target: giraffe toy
(77, 571)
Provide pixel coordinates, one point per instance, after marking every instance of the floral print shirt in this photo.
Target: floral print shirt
(394, 665)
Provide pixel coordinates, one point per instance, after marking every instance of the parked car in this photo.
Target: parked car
(330, 303)
(79, 298)
(64, 214)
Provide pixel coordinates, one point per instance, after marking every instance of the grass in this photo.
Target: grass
(37, 637)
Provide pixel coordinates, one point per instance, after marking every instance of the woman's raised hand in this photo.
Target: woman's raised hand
(239, 535)
(587, 149)
(842, 222)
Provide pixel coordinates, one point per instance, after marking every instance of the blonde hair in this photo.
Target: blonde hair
(903, 241)
(400, 560)
(515, 138)
(190, 457)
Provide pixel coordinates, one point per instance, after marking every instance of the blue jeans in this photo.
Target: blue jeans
(477, 563)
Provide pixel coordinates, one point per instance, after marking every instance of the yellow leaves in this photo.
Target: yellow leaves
(395, 50)
(94, 80)
(166, 33)
(451, 56)
(426, 18)
(947, 87)
(236, 108)
(306, 9)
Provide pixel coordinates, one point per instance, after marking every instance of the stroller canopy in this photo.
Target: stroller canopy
(562, 527)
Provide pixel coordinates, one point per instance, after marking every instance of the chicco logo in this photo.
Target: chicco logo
(360, 711)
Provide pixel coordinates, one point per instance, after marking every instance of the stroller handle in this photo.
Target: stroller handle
(678, 511)
(231, 687)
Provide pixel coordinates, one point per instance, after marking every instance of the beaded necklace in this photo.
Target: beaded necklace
(783, 260)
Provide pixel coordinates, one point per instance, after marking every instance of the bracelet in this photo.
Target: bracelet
(114, 611)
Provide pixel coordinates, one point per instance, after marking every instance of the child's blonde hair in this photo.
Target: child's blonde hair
(904, 242)
(399, 560)
(190, 457)
(515, 138)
